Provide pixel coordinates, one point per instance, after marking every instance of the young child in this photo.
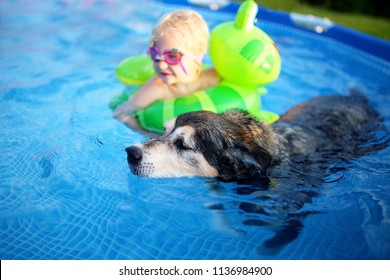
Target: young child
(178, 44)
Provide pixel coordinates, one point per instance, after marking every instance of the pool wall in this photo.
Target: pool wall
(322, 27)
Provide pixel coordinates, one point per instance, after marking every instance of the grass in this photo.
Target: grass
(375, 26)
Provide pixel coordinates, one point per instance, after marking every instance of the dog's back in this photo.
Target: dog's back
(330, 123)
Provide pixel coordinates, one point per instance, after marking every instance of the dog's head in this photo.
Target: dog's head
(230, 146)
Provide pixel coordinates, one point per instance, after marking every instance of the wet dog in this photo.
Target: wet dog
(233, 146)
(278, 168)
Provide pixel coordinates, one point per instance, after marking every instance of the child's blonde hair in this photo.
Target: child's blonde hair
(190, 24)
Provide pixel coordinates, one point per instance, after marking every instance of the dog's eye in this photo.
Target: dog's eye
(179, 143)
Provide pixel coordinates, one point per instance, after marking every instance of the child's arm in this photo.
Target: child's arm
(150, 92)
(155, 90)
(146, 95)
(125, 113)
(207, 79)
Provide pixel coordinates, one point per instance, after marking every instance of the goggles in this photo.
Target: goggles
(171, 57)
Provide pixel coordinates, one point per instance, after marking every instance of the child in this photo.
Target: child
(178, 44)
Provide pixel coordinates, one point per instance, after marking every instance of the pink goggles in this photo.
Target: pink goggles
(172, 57)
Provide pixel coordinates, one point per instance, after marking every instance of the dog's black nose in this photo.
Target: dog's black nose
(134, 155)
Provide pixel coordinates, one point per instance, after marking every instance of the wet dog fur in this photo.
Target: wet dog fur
(281, 166)
(233, 146)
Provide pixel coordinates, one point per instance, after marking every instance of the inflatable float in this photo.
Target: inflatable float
(243, 55)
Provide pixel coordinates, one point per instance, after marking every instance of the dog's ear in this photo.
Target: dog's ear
(245, 128)
(247, 155)
(238, 163)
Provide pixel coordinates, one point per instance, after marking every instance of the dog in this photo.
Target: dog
(234, 146)
(280, 167)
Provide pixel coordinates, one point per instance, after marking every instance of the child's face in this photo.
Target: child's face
(171, 74)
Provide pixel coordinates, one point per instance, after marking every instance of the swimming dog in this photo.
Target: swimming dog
(281, 166)
(234, 146)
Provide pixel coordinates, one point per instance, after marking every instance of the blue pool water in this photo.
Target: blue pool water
(65, 188)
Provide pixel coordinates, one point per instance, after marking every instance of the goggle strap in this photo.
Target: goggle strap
(182, 67)
(194, 57)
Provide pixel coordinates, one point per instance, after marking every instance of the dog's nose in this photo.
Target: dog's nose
(134, 155)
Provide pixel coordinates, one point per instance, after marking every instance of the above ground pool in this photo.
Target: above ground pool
(66, 191)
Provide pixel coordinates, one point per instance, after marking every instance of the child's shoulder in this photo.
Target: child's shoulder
(151, 91)
(153, 83)
(157, 88)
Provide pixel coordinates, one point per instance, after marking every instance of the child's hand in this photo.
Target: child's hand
(124, 112)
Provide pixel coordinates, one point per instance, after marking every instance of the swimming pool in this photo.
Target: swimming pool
(65, 188)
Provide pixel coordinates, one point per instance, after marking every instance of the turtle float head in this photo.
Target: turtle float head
(241, 52)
